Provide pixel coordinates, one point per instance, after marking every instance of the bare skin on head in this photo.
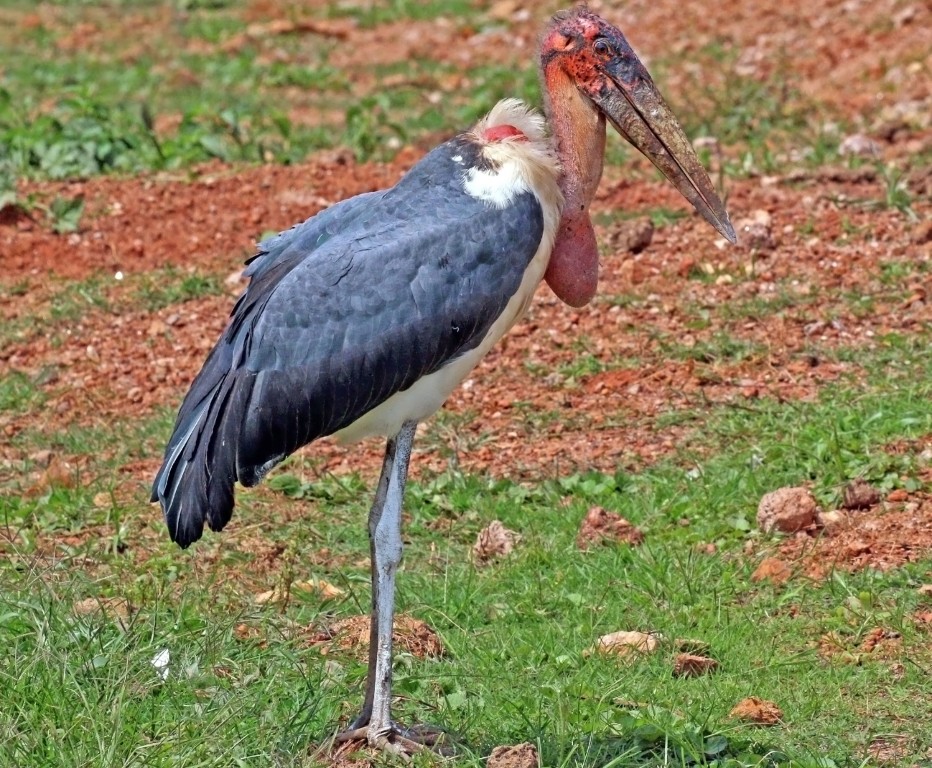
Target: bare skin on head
(502, 132)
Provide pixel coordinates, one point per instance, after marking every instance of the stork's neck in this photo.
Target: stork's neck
(579, 132)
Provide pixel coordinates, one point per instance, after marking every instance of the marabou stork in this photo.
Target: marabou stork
(363, 319)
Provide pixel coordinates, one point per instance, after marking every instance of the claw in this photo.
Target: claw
(398, 740)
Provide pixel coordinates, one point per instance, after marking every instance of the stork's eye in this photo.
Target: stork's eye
(602, 47)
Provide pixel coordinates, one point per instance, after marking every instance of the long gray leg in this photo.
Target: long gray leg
(375, 515)
(385, 546)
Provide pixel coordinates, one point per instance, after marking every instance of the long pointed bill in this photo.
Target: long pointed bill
(634, 106)
(591, 76)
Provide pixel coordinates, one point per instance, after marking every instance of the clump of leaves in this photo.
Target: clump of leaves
(77, 138)
(896, 193)
(64, 213)
(8, 196)
(653, 734)
(80, 136)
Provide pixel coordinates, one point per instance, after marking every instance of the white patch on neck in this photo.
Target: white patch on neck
(499, 187)
(523, 162)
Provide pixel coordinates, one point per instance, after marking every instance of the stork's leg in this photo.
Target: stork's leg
(386, 547)
(374, 722)
(375, 518)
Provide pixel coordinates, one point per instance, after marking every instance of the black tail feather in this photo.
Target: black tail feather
(207, 454)
(195, 483)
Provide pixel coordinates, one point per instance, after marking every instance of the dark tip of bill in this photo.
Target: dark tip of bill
(729, 232)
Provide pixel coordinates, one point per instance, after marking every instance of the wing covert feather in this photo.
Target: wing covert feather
(342, 312)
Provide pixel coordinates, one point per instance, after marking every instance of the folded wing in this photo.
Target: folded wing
(342, 312)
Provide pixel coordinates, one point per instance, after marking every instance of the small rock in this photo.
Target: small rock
(757, 711)
(787, 510)
(922, 234)
(905, 16)
(832, 521)
(41, 458)
(860, 495)
(756, 231)
(157, 327)
(709, 143)
(601, 526)
(503, 10)
(762, 217)
(898, 495)
(632, 236)
(859, 145)
(517, 756)
(772, 569)
(686, 267)
(626, 643)
(632, 272)
(856, 548)
(234, 279)
(494, 541)
(48, 375)
(690, 665)
(59, 474)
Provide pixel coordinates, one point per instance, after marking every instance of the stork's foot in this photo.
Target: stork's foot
(398, 740)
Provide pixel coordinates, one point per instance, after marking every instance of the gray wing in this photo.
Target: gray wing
(341, 313)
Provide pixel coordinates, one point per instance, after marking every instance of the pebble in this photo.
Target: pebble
(859, 145)
(787, 510)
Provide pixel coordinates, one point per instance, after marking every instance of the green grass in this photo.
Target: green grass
(68, 302)
(18, 393)
(83, 690)
(110, 106)
(166, 287)
(73, 113)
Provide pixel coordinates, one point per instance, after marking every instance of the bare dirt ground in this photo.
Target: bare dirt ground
(819, 230)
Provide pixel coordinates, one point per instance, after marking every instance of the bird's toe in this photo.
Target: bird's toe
(399, 740)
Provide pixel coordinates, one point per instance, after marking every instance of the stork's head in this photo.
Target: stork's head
(590, 73)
